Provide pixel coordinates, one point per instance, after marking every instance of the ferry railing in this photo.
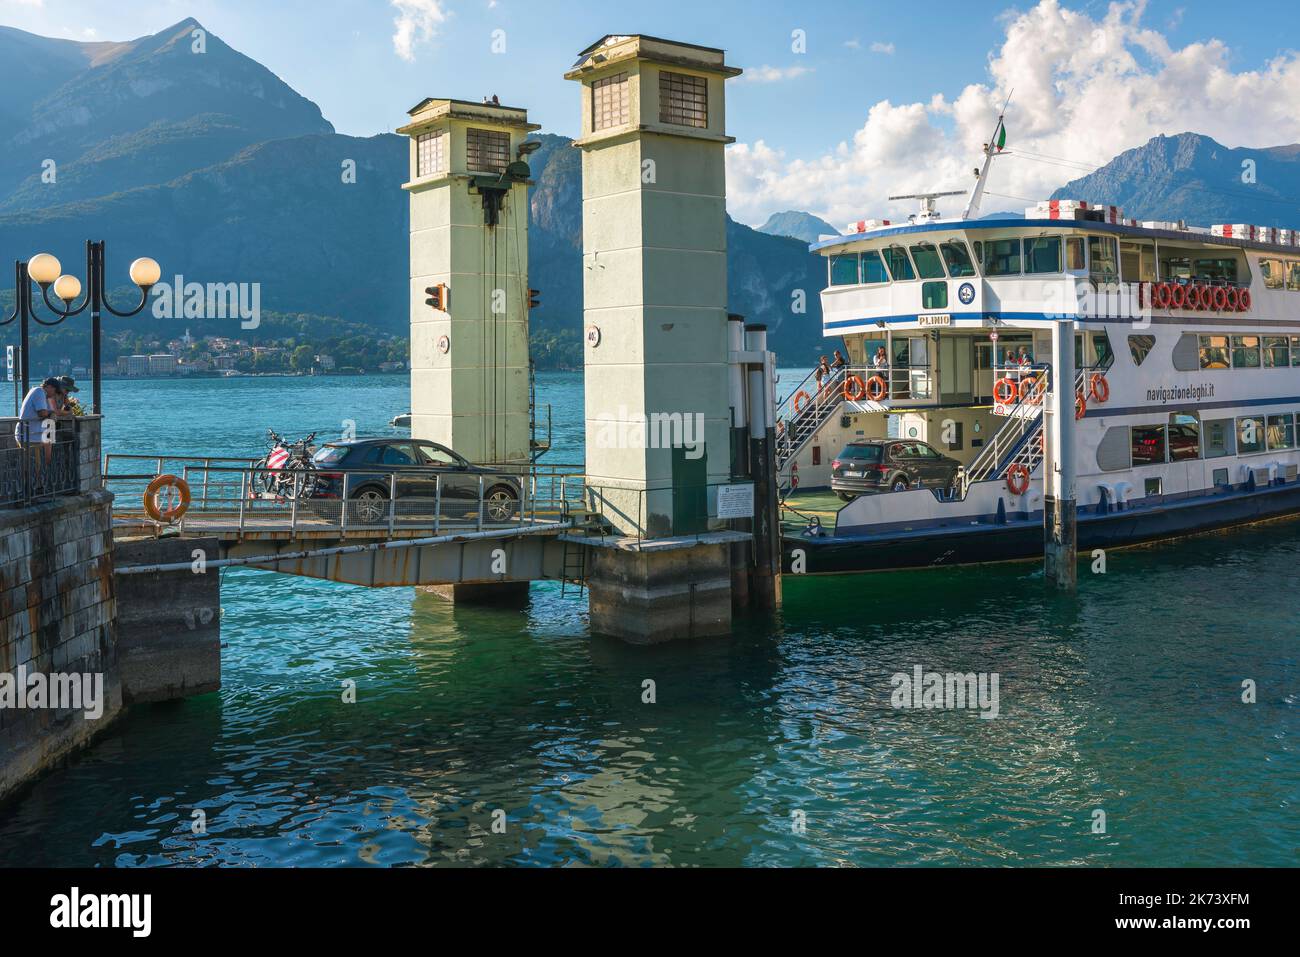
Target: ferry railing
(1024, 418)
(630, 512)
(806, 409)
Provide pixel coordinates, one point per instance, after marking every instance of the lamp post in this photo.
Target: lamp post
(47, 273)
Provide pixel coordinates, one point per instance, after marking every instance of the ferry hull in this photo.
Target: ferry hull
(1023, 540)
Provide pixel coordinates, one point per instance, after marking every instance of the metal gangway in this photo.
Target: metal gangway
(802, 413)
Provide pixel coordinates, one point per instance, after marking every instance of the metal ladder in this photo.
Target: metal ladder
(574, 572)
(801, 427)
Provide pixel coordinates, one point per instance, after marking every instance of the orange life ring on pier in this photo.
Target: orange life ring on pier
(801, 400)
(1031, 391)
(1017, 479)
(877, 388)
(1164, 295)
(151, 506)
(1007, 397)
(1243, 301)
(1099, 387)
(1220, 299)
(854, 388)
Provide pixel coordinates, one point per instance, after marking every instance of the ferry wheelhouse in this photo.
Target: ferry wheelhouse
(1187, 355)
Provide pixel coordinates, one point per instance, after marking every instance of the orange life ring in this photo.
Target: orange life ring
(854, 388)
(1232, 303)
(1220, 299)
(1030, 391)
(1004, 398)
(1164, 296)
(1207, 298)
(1080, 405)
(1017, 479)
(151, 499)
(1243, 301)
(801, 400)
(1099, 387)
(1178, 296)
(877, 388)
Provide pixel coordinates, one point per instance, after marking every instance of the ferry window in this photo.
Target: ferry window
(1281, 432)
(1245, 352)
(1002, 257)
(1141, 347)
(1043, 254)
(1250, 435)
(1154, 486)
(873, 268)
(934, 295)
(1295, 350)
(1104, 256)
(844, 270)
(957, 256)
(1103, 355)
(1217, 269)
(900, 267)
(1113, 450)
(1184, 437)
(1076, 259)
(1293, 276)
(1148, 443)
(928, 263)
(1219, 436)
(1175, 267)
(1277, 352)
(1214, 353)
(1273, 272)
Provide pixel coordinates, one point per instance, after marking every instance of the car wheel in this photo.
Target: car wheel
(500, 503)
(900, 484)
(369, 506)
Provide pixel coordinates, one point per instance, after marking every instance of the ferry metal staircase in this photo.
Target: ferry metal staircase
(800, 425)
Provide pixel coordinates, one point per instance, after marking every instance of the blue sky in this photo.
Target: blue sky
(813, 107)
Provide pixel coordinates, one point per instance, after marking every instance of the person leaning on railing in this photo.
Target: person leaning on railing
(46, 402)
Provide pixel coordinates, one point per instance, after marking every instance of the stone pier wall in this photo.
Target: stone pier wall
(57, 617)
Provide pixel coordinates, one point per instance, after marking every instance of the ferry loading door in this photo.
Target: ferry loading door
(983, 384)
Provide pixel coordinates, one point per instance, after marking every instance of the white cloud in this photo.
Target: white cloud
(417, 22)
(1086, 89)
(878, 47)
(773, 74)
(854, 44)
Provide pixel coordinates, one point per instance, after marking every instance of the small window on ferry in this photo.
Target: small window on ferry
(1250, 435)
(900, 267)
(1076, 257)
(934, 295)
(1293, 276)
(873, 268)
(1103, 252)
(1141, 347)
(1148, 445)
(1219, 435)
(928, 263)
(1274, 272)
(1216, 270)
(1043, 254)
(957, 256)
(844, 270)
(1281, 432)
(1277, 352)
(1295, 350)
(1002, 257)
(1214, 353)
(1184, 437)
(1245, 352)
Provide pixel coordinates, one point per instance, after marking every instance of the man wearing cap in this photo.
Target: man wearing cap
(67, 386)
(41, 403)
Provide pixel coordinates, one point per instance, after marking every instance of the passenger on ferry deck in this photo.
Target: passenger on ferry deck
(881, 361)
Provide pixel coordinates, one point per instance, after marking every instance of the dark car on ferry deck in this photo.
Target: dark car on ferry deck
(369, 471)
(890, 465)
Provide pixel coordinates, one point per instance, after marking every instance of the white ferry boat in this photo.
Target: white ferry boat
(1187, 349)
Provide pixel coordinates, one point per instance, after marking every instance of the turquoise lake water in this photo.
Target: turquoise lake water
(1126, 699)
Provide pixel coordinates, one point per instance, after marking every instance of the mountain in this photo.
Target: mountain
(1196, 179)
(798, 225)
(112, 116)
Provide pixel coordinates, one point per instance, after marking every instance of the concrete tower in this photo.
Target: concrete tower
(469, 237)
(655, 280)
